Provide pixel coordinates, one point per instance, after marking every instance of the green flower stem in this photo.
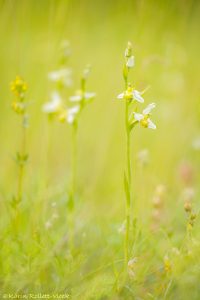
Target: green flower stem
(128, 177)
(74, 162)
(128, 171)
(21, 165)
(71, 217)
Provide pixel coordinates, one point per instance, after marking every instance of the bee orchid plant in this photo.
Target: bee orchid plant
(132, 99)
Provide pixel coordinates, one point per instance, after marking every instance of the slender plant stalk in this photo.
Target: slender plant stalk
(21, 165)
(73, 187)
(127, 173)
(19, 87)
(74, 162)
(128, 176)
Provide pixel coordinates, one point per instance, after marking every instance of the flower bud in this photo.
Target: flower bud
(86, 72)
(128, 51)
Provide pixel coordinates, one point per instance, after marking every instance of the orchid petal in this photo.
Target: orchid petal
(151, 125)
(120, 96)
(130, 62)
(75, 98)
(137, 96)
(138, 117)
(149, 108)
(89, 95)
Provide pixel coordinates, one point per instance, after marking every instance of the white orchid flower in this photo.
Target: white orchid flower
(54, 105)
(80, 96)
(144, 119)
(62, 75)
(69, 114)
(131, 94)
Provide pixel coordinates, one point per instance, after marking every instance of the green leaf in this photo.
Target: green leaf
(132, 124)
(21, 159)
(15, 202)
(70, 202)
(125, 73)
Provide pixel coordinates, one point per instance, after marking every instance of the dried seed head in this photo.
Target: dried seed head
(188, 207)
(193, 216)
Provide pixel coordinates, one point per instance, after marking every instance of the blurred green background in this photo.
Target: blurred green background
(165, 38)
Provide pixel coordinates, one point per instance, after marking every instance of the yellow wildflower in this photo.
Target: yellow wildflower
(18, 87)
